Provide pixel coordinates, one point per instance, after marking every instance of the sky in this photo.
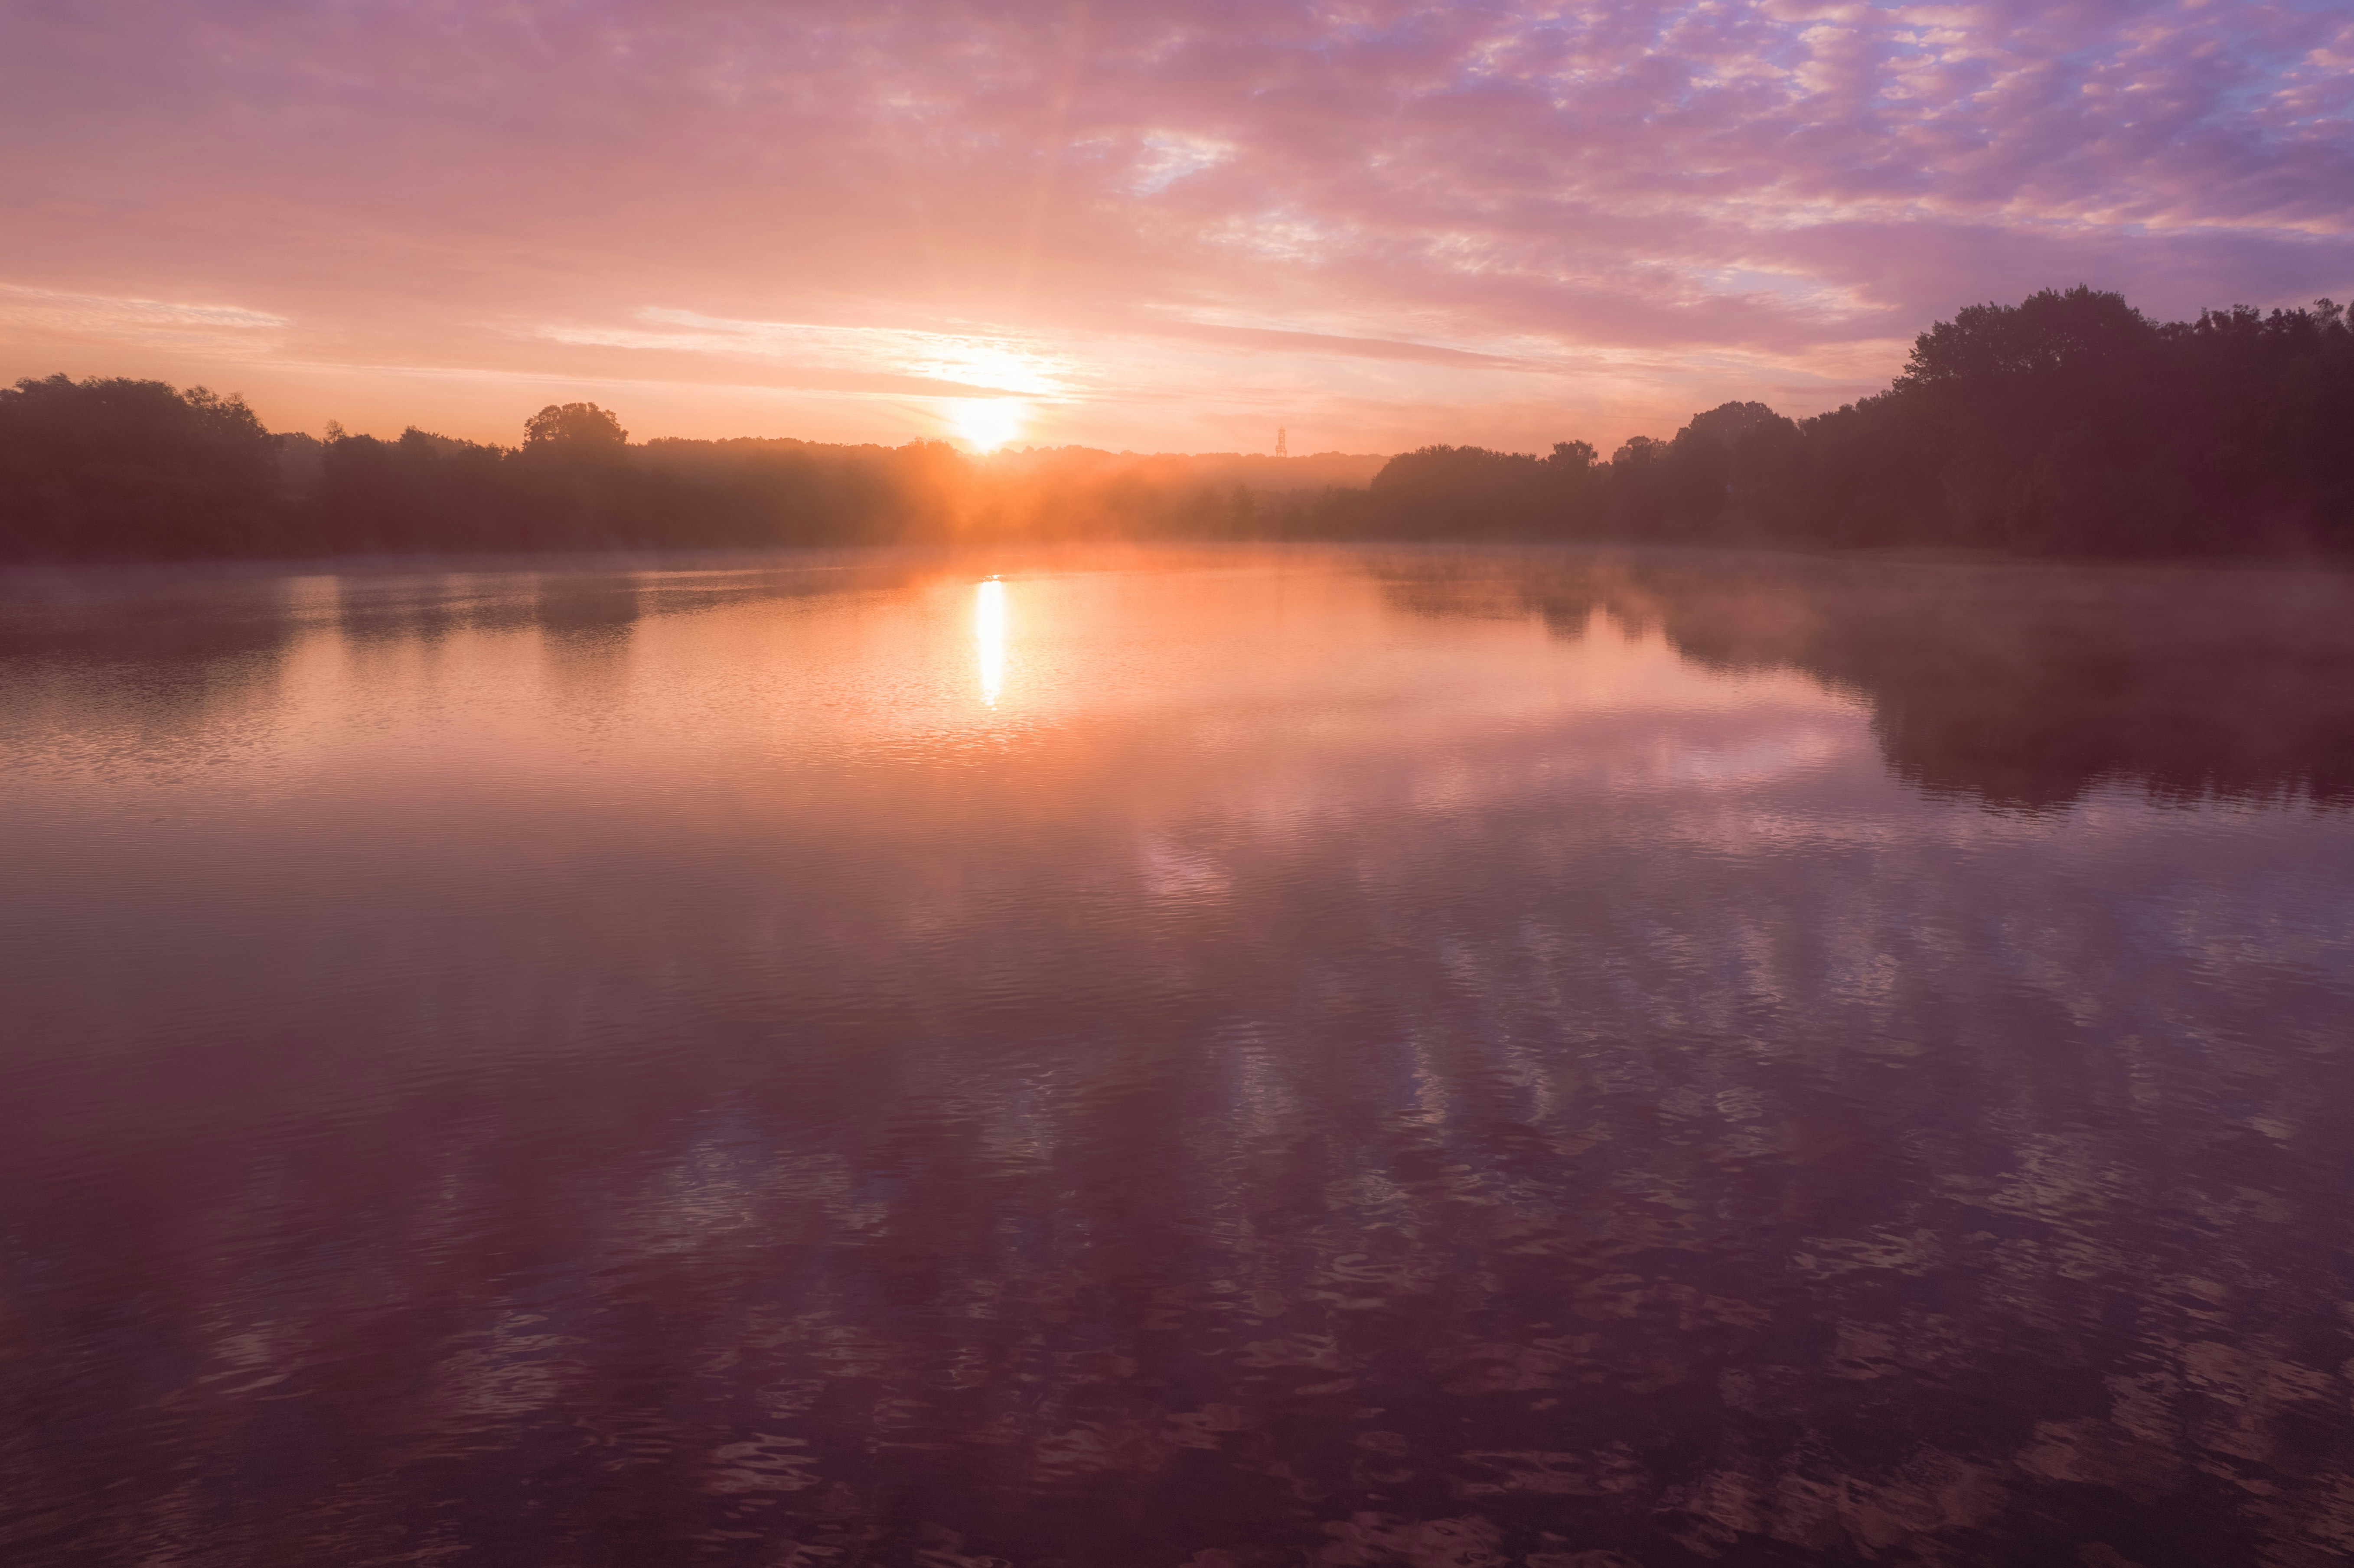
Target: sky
(1160, 225)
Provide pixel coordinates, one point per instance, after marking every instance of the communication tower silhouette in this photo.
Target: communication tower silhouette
(1278, 445)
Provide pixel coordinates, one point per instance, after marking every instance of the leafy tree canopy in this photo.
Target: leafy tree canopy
(2082, 328)
(576, 427)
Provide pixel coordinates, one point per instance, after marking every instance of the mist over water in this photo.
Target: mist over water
(1208, 1057)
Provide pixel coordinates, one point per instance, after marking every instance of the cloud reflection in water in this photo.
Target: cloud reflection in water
(1410, 1059)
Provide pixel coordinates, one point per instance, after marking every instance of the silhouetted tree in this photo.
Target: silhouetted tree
(129, 469)
(2070, 423)
(574, 428)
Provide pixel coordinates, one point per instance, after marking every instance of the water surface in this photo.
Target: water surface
(1209, 1058)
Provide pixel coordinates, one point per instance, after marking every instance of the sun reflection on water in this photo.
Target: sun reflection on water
(989, 637)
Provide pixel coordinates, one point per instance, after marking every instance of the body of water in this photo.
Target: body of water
(1204, 1058)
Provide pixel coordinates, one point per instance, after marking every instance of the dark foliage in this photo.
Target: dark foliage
(2068, 424)
(575, 484)
(126, 468)
(2071, 423)
(575, 428)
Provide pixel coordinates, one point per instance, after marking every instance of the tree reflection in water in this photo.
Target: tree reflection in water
(1416, 1058)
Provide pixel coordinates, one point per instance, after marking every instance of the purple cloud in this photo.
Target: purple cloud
(1160, 225)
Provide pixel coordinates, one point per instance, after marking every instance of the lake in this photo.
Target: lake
(1205, 1058)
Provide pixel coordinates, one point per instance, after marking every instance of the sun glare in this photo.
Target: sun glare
(989, 422)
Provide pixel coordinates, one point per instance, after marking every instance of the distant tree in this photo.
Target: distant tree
(574, 426)
(302, 464)
(422, 492)
(1730, 426)
(126, 468)
(1735, 467)
(2083, 329)
(1460, 489)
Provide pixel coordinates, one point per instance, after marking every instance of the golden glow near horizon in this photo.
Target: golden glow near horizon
(988, 423)
(989, 637)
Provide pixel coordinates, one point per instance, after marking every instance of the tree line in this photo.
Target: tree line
(2068, 424)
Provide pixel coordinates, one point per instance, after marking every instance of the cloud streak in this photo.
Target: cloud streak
(1166, 224)
(107, 320)
(952, 363)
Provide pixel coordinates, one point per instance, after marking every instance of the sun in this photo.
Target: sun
(988, 423)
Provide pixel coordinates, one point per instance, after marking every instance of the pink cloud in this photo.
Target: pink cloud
(1160, 225)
